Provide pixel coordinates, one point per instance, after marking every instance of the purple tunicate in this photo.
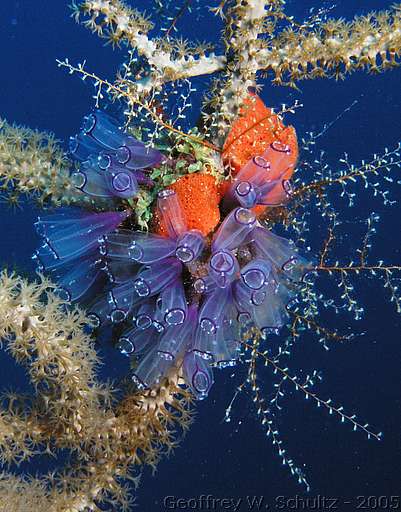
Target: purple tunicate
(223, 266)
(281, 252)
(209, 320)
(119, 271)
(47, 259)
(258, 297)
(218, 338)
(116, 304)
(244, 319)
(152, 368)
(288, 188)
(138, 246)
(108, 181)
(267, 307)
(122, 184)
(121, 299)
(111, 159)
(73, 232)
(256, 171)
(222, 262)
(82, 146)
(234, 230)
(256, 273)
(274, 193)
(272, 315)
(76, 279)
(275, 248)
(100, 311)
(126, 346)
(103, 161)
(71, 249)
(204, 285)
(283, 289)
(144, 316)
(91, 183)
(149, 249)
(224, 345)
(198, 374)
(261, 180)
(189, 246)
(245, 186)
(158, 319)
(211, 311)
(171, 213)
(172, 303)
(246, 194)
(136, 341)
(173, 343)
(296, 267)
(175, 340)
(135, 155)
(144, 338)
(245, 298)
(106, 184)
(204, 340)
(280, 158)
(103, 129)
(153, 279)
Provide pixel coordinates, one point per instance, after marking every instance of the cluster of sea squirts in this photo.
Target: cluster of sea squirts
(183, 296)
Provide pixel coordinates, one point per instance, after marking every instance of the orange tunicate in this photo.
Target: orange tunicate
(251, 135)
(254, 130)
(199, 198)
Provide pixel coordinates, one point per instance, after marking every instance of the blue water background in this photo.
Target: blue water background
(236, 459)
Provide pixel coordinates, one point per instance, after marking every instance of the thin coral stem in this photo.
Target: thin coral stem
(100, 82)
(309, 394)
(358, 268)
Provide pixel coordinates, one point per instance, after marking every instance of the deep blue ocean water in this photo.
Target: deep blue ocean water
(236, 460)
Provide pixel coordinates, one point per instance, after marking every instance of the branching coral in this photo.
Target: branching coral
(258, 37)
(32, 163)
(168, 61)
(371, 42)
(71, 409)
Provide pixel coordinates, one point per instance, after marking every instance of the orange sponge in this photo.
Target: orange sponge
(199, 197)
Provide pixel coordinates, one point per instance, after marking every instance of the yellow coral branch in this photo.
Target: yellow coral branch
(335, 48)
(32, 163)
(115, 21)
(73, 409)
